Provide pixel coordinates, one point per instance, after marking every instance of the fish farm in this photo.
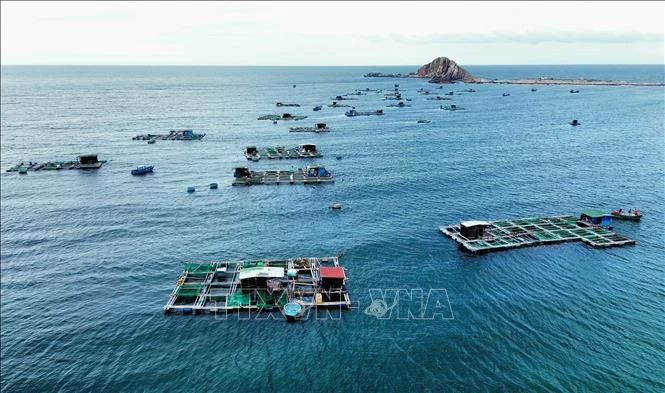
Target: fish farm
(173, 135)
(284, 116)
(88, 161)
(336, 105)
(260, 285)
(305, 150)
(486, 236)
(353, 112)
(309, 175)
(318, 127)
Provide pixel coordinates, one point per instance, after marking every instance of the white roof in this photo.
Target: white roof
(473, 223)
(268, 272)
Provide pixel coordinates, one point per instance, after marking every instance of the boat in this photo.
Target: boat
(505, 94)
(142, 170)
(151, 141)
(292, 311)
(335, 206)
(317, 108)
(632, 215)
(22, 170)
(574, 91)
(423, 121)
(574, 123)
(534, 89)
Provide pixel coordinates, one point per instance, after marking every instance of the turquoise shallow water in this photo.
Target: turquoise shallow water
(88, 259)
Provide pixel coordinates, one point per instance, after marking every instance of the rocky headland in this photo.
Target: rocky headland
(444, 70)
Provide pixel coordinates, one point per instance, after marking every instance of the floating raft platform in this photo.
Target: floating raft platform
(336, 105)
(306, 150)
(88, 161)
(486, 236)
(284, 116)
(318, 127)
(259, 285)
(309, 175)
(173, 135)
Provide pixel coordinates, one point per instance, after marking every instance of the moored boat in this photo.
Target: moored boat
(142, 170)
(633, 215)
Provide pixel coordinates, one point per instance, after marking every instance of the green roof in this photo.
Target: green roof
(593, 213)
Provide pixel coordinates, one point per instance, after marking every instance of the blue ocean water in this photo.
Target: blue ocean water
(88, 259)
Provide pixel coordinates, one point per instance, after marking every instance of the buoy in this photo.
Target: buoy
(213, 186)
(191, 189)
(319, 298)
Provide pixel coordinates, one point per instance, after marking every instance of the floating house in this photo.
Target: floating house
(260, 286)
(485, 236)
(304, 150)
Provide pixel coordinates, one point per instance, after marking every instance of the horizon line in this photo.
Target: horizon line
(319, 65)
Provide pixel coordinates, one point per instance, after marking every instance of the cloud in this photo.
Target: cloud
(528, 37)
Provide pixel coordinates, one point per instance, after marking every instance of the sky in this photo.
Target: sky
(331, 33)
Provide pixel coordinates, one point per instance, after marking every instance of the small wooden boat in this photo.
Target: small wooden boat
(505, 94)
(23, 170)
(317, 108)
(151, 141)
(626, 216)
(574, 123)
(142, 170)
(292, 311)
(335, 206)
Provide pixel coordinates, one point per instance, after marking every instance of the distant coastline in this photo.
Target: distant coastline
(552, 81)
(444, 70)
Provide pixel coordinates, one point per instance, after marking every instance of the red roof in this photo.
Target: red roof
(332, 272)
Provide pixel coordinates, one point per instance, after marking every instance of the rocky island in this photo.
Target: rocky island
(444, 70)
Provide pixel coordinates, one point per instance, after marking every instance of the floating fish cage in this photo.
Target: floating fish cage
(87, 161)
(309, 175)
(259, 285)
(318, 127)
(485, 236)
(305, 150)
(173, 135)
(336, 105)
(284, 116)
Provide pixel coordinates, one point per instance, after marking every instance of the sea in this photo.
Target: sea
(89, 258)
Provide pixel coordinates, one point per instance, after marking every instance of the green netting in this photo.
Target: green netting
(191, 291)
(238, 299)
(199, 268)
(263, 300)
(282, 300)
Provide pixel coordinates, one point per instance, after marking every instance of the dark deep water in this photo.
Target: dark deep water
(89, 258)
